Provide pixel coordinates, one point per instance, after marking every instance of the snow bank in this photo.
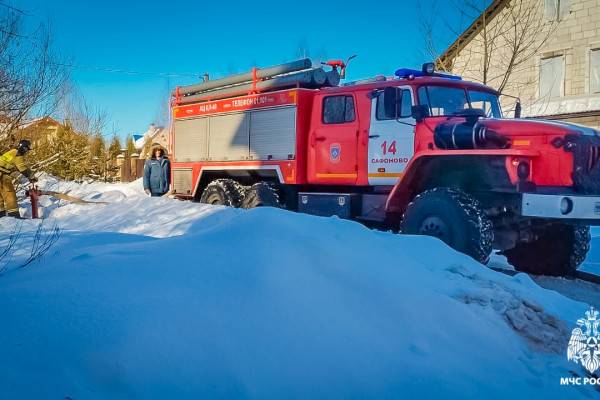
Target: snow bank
(129, 210)
(157, 298)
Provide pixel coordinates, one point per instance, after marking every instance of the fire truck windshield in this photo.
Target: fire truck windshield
(447, 101)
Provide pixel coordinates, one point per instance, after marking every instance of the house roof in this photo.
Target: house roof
(35, 121)
(148, 136)
(465, 38)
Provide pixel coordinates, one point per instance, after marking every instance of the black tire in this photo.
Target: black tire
(452, 216)
(558, 250)
(225, 192)
(262, 194)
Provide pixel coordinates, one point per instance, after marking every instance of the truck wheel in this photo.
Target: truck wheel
(558, 250)
(262, 194)
(452, 216)
(225, 192)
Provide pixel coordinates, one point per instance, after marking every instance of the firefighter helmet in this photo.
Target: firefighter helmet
(24, 146)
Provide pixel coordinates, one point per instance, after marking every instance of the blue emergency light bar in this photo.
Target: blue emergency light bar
(428, 70)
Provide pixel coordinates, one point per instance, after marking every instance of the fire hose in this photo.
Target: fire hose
(34, 193)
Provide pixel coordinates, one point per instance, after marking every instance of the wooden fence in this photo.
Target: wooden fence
(131, 166)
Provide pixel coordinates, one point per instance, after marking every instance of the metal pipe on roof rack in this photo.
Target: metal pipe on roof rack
(312, 79)
(333, 77)
(261, 73)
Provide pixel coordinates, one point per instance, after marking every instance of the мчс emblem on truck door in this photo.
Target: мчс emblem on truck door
(335, 151)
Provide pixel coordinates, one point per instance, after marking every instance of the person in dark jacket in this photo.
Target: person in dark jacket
(157, 173)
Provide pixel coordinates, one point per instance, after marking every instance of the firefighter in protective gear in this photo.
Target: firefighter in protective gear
(12, 161)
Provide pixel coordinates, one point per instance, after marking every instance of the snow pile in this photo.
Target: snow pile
(266, 303)
(129, 210)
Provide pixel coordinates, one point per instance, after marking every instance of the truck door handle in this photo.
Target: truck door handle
(320, 138)
(373, 136)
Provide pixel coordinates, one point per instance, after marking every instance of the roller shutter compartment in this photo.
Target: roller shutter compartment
(228, 138)
(273, 134)
(190, 139)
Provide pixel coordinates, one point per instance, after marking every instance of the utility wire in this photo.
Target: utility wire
(128, 72)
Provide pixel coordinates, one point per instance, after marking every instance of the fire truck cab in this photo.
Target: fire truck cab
(421, 153)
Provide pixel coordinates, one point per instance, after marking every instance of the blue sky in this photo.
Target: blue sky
(219, 37)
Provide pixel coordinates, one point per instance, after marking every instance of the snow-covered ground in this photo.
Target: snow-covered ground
(158, 298)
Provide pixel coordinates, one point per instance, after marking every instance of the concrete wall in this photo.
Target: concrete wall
(572, 37)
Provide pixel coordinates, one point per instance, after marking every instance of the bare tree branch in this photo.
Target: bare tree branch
(30, 78)
(9, 247)
(502, 45)
(42, 241)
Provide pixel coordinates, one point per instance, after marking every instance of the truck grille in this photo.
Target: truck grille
(586, 160)
(593, 156)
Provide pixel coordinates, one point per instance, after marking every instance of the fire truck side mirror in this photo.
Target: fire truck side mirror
(419, 112)
(390, 102)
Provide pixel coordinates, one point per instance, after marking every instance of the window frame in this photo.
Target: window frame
(593, 51)
(346, 96)
(425, 89)
(498, 110)
(402, 116)
(560, 9)
(423, 98)
(563, 63)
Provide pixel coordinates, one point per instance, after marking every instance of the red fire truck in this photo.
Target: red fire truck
(420, 153)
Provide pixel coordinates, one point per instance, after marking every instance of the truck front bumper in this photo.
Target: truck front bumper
(584, 209)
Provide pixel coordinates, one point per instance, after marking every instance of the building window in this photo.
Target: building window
(556, 10)
(595, 71)
(552, 77)
(405, 106)
(338, 109)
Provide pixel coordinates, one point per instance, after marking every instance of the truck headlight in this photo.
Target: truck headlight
(566, 205)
